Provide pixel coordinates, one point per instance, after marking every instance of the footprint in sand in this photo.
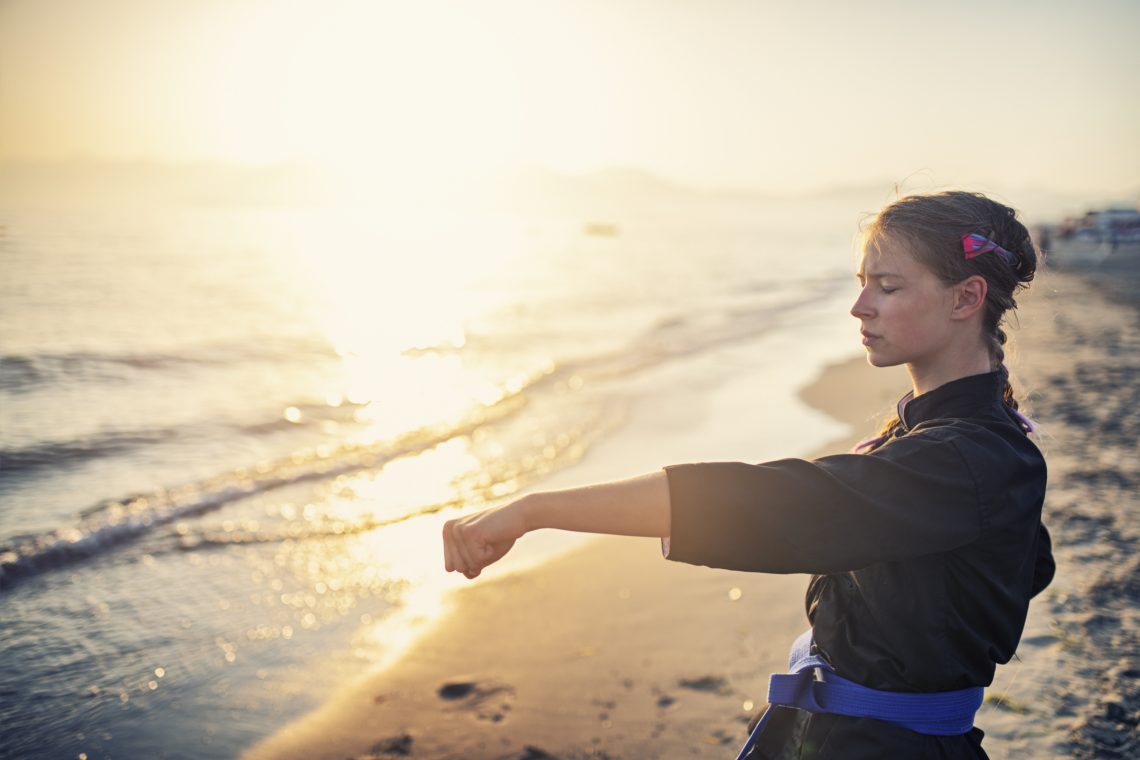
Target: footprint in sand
(484, 700)
(534, 753)
(394, 746)
(711, 684)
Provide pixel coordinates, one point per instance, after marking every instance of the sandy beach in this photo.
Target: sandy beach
(612, 652)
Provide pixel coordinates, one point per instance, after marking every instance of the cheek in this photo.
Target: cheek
(922, 324)
(910, 319)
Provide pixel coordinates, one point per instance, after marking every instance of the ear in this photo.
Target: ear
(969, 297)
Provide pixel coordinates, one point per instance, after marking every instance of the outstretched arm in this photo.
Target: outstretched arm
(635, 507)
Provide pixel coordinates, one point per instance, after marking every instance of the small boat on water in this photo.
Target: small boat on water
(601, 229)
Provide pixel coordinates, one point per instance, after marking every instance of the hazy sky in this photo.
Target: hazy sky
(751, 94)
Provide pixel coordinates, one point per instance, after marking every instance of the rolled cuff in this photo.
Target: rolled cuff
(699, 528)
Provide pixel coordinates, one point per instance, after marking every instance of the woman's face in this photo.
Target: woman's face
(903, 309)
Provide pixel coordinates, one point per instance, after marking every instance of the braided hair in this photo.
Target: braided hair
(932, 227)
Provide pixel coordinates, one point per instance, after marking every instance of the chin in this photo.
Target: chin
(881, 361)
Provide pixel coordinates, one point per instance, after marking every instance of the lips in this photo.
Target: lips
(868, 338)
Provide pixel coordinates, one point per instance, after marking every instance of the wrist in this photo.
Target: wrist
(528, 508)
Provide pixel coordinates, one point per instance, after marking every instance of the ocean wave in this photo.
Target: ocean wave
(110, 524)
(700, 330)
(673, 336)
(25, 372)
(221, 539)
(21, 461)
(307, 412)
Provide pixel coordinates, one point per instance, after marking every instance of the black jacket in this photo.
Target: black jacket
(924, 554)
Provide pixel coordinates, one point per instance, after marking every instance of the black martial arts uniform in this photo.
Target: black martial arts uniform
(925, 554)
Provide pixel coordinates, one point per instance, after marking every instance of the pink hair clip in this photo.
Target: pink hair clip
(975, 245)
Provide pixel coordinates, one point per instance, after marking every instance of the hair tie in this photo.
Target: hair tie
(975, 245)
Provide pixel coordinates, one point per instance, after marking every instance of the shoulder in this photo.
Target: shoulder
(994, 440)
(993, 453)
(990, 436)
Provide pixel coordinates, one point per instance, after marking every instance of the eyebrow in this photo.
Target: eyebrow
(877, 275)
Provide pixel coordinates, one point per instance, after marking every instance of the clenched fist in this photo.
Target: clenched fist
(471, 543)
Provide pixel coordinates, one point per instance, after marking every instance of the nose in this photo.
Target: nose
(861, 309)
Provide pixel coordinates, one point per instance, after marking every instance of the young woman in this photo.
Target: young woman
(925, 545)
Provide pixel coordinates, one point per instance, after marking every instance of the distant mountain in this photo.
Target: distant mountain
(620, 193)
(148, 183)
(612, 195)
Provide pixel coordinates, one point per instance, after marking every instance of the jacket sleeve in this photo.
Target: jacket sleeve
(913, 496)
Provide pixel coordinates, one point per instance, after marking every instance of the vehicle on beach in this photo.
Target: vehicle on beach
(1095, 237)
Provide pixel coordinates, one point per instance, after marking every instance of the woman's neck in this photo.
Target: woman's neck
(927, 376)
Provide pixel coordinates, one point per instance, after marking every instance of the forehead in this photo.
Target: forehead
(883, 256)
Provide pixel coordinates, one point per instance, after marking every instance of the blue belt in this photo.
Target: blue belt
(944, 713)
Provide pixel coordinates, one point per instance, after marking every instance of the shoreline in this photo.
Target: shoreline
(636, 655)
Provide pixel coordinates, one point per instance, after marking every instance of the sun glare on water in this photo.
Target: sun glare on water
(396, 295)
(395, 298)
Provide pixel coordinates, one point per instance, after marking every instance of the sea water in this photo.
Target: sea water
(229, 436)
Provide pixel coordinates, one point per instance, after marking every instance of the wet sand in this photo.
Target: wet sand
(612, 652)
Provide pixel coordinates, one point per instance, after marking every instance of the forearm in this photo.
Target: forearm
(634, 507)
